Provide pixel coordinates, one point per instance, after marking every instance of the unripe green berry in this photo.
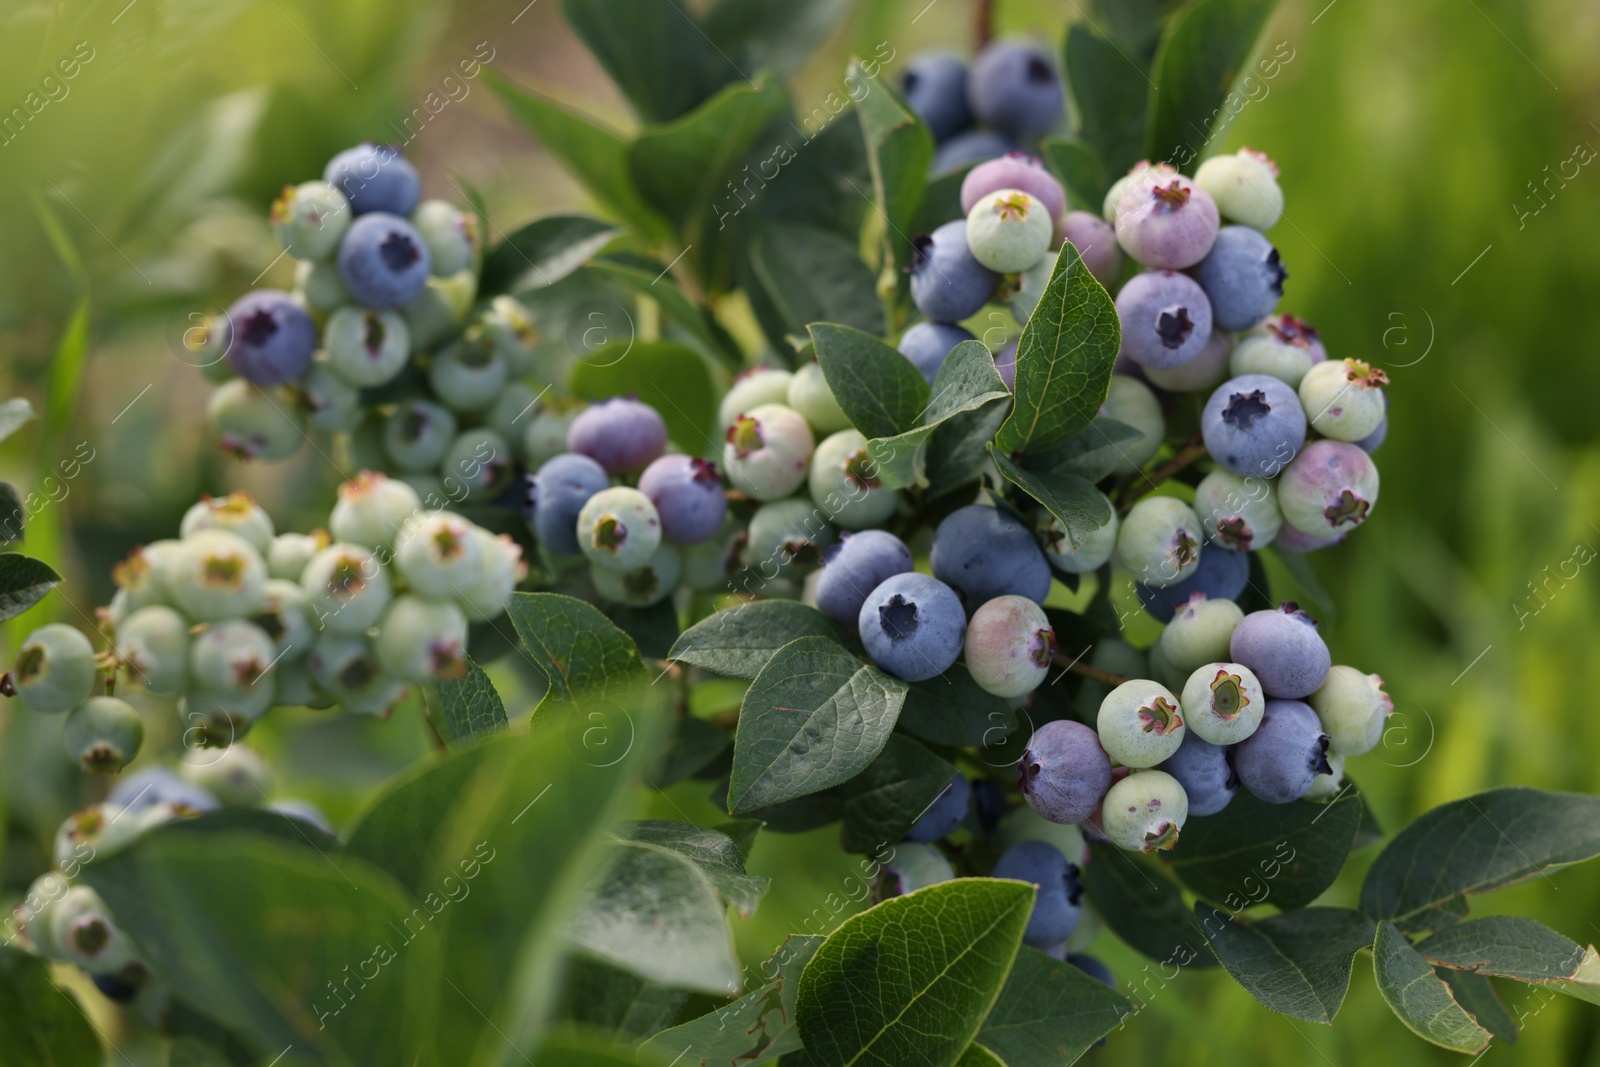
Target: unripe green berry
(752, 389)
(422, 640)
(153, 643)
(1145, 811)
(1352, 707)
(81, 926)
(372, 509)
(912, 867)
(436, 554)
(1238, 513)
(309, 219)
(787, 537)
(1343, 398)
(287, 620)
(237, 513)
(1223, 702)
(1094, 549)
(236, 775)
(256, 423)
(768, 452)
(511, 329)
(347, 588)
(102, 734)
(290, 552)
(440, 310)
(844, 482)
(1245, 187)
(346, 667)
(319, 286)
(1008, 231)
(366, 346)
(478, 463)
(1327, 785)
(55, 669)
(451, 235)
(1140, 723)
(515, 405)
(468, 375)
(544, 436)
(645, 585)
(1198, 633)
(1132, 403)
(417, 434)
(332, 404)
(495, 578)
(1160, 541)
(619, 529)
(810, 395)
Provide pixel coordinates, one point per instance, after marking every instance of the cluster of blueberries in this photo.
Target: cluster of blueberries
(379, 338)
(233, 619)
(1011, 96)
(63, 919)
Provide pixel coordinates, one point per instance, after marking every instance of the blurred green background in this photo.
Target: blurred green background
(1412, 138)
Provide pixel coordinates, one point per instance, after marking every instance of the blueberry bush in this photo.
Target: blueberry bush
(924, 398)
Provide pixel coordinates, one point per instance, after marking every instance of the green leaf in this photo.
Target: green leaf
(756, 1028)
(511, 862)
(958, 451)
(1092, 454)
(813, 718)
(713, 851)
(656, 913)
(975, 1055)
(878, 388)
(1064, 360)
(605, 999)
(654, 51)
(658, 286)
(543, 252)
(398, 828)
(1081, 170)
(670, 377)
(910, 980)
(814, 275)
(1254, 852)
(256, 931)
(652, 629)
(1505, 946)
(41, 1025)
(770, 36)
(1422, 879)
(14, 414)
(23, 583)
(1419, 997)
(578, 1050)
(952, 710)
(693, 747)
(596, 156)
(739, 641)
(824, 181)
(899, 150)
(883, 802)
(966, 382)
(1144, 908)
(1049, 1013)
(793, 816)
(1201, 56)
(577, 649)
(1299, 566)
(1111, 91)
(1074, 500)
(471, 706)
(1477, 994)
(1297, 963)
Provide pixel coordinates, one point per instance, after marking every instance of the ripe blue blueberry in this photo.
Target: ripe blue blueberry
(1168, 224)
(1093, 968)
(102, 734)
(1245, 187)
(1243, 278)
(270, 337)
(1344, 399)
(1166, 318)
(309, 219)
(926, 345)
(1284, 649)
(844, 483)
(935, 86)
(768, 452)
(383, 261)
(1140, 723)
(619, 529)
(1285, 348)
(1064, 772)
(1202, 373)
(1198, 633)
(1014, 87)
(55, 668)
(1222, 702)
(1238, 513)
(1009, 646)
(1009, 230)
(854, 567)
(688, 494)
(968, 147)
(1015, 170)
(645, 585)
(1352, 707)
(1280, 761)
(1329, 488)
(948, 283)
(557, 492)
(912, 867)
(1145, 811)
(912, 626)
(944, 814)
(1204, 771)
(417, 433)
(621, 434)
(810, 395)
(1253, 425)
(983, 552)
(1058, 895)
(787, 536)
(1159, 541)
(375, 178)
(469, 375)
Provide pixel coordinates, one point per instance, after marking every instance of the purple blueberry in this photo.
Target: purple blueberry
(1243, 278)
(983, 552)
(1096, 243)
(947, 282)
(688, 494)
(1015, 170)
(1064, 773)
(1253, 425)
(944, 814)
(1283, 648)
(927, 344)
(1205, 772)
(912, 626)
(383, 261)
(1014, 87)
(968, 147)
(1222, 574)
(1094, 969)
(935, 85)
(1056, 902)
(621, 434)
(1283, 757)
(1166, 222)
(1166, 318)
(270, 337)
(557, 492)
(375, 178)
(1291, 540)
(1005, 364)
(854, 567)
(1329, 488)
